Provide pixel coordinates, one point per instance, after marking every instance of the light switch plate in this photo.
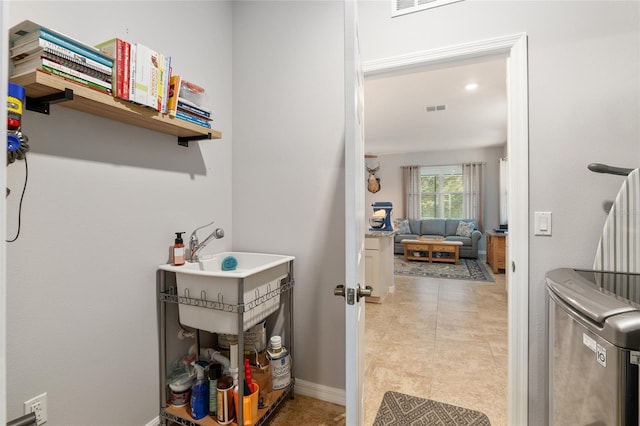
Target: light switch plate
(542, 223)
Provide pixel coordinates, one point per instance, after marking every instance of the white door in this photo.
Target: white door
(354, 219)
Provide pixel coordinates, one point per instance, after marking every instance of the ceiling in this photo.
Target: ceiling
(395, 102)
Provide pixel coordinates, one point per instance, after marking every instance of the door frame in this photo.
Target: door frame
(514, 47)
(4, 78)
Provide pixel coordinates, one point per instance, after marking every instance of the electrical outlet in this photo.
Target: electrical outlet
(37, 405)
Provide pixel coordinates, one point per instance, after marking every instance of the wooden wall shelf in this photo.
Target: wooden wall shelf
(39, 85)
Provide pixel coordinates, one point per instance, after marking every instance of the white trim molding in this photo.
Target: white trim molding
(321, 392)
(514, 47)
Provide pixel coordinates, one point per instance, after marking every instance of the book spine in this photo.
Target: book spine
(159, 83)
(152, 95)
(36, 61)
(133, 58)
(193, 109)
(118, 80)
(76, 79)
(126, 69)
(142, 74)
(192, 119)
(59, 67)
(77, 48)
(172, 101)
(45, 44)
(167, 79)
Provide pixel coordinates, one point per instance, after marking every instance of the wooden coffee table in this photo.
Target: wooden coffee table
(451, 249)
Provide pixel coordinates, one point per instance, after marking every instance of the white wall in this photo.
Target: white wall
(288, 162)
(100, 209)
(390, 174)
(584, 100)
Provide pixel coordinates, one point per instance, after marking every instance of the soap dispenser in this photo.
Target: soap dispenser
(178, 250)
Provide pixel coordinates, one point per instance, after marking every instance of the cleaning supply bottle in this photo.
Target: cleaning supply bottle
(199, 393)
(279, 363)
(215, 372)
(178, 250)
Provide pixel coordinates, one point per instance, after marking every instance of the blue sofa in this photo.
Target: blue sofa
(450, 229)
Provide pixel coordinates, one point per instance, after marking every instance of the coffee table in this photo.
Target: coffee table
(432, 247)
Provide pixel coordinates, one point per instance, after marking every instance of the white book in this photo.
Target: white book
(142, 75)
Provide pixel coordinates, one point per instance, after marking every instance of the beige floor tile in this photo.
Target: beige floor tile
(440, 339)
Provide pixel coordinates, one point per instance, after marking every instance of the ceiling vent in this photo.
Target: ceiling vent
(434, 108)
(404, 7)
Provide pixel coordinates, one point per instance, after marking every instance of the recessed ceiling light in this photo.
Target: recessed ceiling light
(471, 87)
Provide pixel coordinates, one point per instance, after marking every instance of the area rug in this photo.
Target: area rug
(466, 269)
(398, 409)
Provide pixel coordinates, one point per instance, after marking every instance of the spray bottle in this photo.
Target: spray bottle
(199, 393)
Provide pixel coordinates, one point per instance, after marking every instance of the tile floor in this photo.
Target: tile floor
(439, 339)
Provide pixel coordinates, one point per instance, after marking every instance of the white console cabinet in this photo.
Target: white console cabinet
(379, 264)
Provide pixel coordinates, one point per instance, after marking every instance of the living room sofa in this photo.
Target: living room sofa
(450, 229)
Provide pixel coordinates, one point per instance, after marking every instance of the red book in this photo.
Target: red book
(119, 50)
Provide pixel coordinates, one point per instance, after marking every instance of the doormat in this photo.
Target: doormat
(398, 409)
(466, 269)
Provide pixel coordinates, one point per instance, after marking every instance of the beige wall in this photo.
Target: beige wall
(100, 211)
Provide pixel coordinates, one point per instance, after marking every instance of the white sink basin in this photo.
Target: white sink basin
(248, 264)
(204, 283)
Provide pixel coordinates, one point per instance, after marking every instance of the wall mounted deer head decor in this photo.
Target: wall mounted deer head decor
(373, 183)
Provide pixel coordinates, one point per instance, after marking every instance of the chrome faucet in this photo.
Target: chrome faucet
(195, 246)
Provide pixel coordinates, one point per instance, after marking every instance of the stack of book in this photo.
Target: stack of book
(34, 47)
(185, 102)
(141, 74)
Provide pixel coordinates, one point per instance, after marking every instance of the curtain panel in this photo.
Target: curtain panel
(411, 193)
(472, 201)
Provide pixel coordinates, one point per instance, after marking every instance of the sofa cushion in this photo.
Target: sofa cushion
(433, 227)
(414, 226)
(464, 229)
(466, 241)
(402, 226)
(451, 227)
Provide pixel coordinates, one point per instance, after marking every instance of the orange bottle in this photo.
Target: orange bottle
(178, 250)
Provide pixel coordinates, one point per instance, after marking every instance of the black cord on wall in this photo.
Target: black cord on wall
(24, 188)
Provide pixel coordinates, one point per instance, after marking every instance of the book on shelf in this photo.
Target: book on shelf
(32, 63)
(192, 119)
(119, 50)
(49, 65)
(132, 71)
(152, 94)
(172, 100)
(75, 79)
(164, 77)
(37, 46)
(27, 30)
(189, 107)
(142, 74)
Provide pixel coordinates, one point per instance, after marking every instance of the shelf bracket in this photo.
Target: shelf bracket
(42, 103)
(184, 140)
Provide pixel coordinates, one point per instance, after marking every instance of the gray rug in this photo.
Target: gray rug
(467, 269)
(398, 409)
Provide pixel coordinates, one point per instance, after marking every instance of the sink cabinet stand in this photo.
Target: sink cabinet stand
(167, 293)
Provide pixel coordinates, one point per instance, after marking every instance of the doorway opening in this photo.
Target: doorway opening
(514, 49)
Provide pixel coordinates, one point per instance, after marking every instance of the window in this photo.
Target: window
(441, 192)
(404, 7)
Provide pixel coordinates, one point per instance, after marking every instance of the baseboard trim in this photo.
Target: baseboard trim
(321, 392)
(154, 422)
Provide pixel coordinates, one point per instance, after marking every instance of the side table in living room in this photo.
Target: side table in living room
(497, 250)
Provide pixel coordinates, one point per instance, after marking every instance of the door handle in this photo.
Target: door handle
(339, 290)
(364, 292)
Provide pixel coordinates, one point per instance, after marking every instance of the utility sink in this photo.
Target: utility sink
(205, 291)
(248, 264)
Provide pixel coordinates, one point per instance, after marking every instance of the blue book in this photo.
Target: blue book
(186, 117)
(27, 30)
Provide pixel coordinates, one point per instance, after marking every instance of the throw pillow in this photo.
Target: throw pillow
(464, 229)
(402, 226)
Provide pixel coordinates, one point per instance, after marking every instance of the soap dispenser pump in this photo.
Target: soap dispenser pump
(178, 250)
(199, 393)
